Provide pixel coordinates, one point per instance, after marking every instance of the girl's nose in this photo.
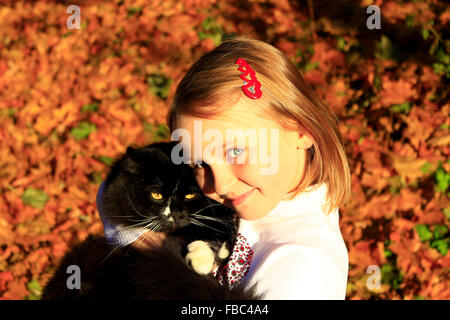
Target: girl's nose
(224, 179)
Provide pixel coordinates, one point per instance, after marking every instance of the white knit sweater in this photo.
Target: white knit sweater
(299, 252)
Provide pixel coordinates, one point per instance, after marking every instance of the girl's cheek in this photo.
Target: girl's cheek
(200, 178)
(205, 180)
(249, 174)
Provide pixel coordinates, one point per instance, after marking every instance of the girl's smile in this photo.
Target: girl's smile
(240, 199)
(233, 180)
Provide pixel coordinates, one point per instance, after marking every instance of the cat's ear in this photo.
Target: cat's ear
(131, 152)
(131, 164)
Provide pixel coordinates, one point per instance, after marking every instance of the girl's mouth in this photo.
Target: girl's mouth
(237, 201)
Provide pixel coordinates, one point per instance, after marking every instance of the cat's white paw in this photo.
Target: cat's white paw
(200, 257)
(223, 252)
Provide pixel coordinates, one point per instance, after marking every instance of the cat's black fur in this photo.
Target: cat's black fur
(159, 272)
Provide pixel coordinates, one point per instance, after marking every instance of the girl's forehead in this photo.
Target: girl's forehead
(245, 114)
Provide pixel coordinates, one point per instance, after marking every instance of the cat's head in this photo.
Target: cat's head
(146, 189)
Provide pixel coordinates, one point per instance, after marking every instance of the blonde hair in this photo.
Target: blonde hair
(213, 80)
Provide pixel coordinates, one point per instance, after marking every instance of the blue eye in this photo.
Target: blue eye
(235, 152)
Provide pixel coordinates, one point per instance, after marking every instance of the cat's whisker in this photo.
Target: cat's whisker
(139, 224)
(112, 251)
(158, 227)
(207, 217)
(128, 196)
(200, 224)
(140, 220)
(131, 226)
(222, 221)
(160, 182)
(155, 185)
(211, 205)
(154, 225)
(120, 216)
(210, 218)
(209, 201)
(146, 219)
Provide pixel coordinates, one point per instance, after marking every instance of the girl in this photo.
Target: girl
(289, 243)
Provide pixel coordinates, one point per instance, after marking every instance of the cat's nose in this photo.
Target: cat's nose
(176, 216)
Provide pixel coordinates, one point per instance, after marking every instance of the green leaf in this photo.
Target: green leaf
(377, 82)
(424, 232)
(447, 213)
(34, 197)
(90, 107)
(64, 35)
(442, 57)
(85, 218)
(97, 177)
(425, 34)
(134, 10)
(35, 290)
(440, 245)
(213, 31)
(312, 65)
(341, 44)
(425, 168)
(391, 275)
(209, 23)
(159, 132)
(159, 85)
(387, 253)
(385, 49)
(410, 20)
(216, 37)
(162, 131)
(439, 231)
(83, 130)
(401, 108)
(106, 160)
(442, 179)
(439, 68)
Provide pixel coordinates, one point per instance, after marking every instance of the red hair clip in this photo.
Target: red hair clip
(247, 70)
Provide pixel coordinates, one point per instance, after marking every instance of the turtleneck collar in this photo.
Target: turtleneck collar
(312, 200)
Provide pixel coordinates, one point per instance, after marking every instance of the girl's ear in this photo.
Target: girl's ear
(305, 141)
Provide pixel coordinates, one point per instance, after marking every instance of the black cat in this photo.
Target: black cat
(145, 189)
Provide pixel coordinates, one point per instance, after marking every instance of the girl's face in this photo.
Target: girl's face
(250, 176)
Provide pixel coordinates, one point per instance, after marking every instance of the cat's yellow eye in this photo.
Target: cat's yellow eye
(156, 196)
(190, 196)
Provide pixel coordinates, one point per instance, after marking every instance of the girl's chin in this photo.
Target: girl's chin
(250, 215)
